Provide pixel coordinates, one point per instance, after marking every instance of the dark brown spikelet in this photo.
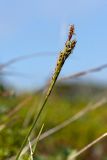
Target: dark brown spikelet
(71, 32)
(73, 43)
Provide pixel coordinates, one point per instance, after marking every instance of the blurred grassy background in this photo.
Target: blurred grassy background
(65, 101)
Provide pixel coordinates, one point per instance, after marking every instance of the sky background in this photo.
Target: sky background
(41, 26)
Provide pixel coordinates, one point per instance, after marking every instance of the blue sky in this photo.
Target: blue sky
(40, 26)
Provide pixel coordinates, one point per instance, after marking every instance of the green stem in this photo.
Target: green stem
(37, 117)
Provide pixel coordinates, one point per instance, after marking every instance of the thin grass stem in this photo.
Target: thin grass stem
(90, 107)
(88, 146)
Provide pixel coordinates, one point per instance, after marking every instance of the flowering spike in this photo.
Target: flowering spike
(71, 32)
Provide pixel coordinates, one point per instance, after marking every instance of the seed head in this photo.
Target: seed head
(71, 32)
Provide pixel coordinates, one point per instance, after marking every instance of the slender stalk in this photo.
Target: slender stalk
(87, 109)
(85, 72)
(69, 46)
(31, 151)
(88, 146)
(90, 107)
(37, 140)
(17, 59)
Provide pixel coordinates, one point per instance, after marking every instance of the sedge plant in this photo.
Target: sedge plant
(64, 54)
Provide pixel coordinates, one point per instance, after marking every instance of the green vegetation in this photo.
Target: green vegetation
(66, 101)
